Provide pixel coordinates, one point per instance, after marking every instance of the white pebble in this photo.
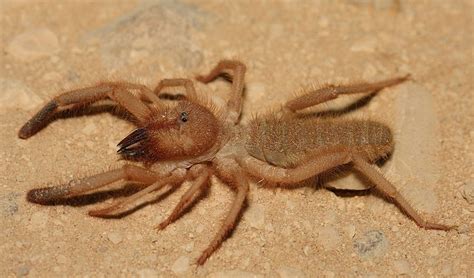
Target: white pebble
(89, 129)
(414, 166)
(33, 44)
(181, 265)
(38, 220)
(329, 238)
(467, 192)
(15, 94)
(234, 274)
(433, 251)
(114, 237)
(147, 273)
(402, 267)
(255, 215)
(290, 272)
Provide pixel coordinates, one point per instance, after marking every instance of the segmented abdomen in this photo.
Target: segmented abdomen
(287, 143)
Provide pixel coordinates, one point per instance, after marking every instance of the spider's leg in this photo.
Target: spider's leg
(187, 199)
(175, 177)
(242, 185)
(79, 186)
(387, 189)
(328, 160)
(234, 105)
(322, 161)
(330, 92)
(119, 92)
(187, 84)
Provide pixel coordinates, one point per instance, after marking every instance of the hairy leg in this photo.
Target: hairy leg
(330, 92)
(119, 92)
(238, 69)
(79, 186)
(320, 162)
(387, 189)
(330, 160)
(230, 221)
(175, 177)
(200, 181)
(187, 84)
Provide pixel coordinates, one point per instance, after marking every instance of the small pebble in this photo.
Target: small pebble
(467, 192)
(189, 247)
(433, 251)
(371, 244)
(290, 272)
(8, 204)
(33, 44)
(234, 274)
(15, 94)
(329, 238)
(181, 265)
(90, 128)
(402, 267)
(329, 274)
(364, 45)
(22, 270)
(255, 215)
(350, 231)
(114, 237)
(38, 220)
(147, 273)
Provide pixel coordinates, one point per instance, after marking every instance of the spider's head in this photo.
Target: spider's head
(185, 130)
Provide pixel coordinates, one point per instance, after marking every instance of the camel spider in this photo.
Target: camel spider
(191, 140)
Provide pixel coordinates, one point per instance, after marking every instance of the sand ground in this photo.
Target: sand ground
(50, 46)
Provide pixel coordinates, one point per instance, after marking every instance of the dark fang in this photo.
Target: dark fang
(132, 145)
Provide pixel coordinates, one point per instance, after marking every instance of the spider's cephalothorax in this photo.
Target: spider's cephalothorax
(193, 142)
(186, 130)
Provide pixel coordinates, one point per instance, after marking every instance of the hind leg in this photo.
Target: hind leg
(330, 92)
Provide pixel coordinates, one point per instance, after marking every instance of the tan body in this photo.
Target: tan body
(191, 140)
(290, 142)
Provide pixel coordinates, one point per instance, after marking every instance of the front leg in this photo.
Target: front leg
(234, 105)
(229, 171)
(116, 91)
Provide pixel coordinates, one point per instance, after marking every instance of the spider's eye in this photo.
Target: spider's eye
(183, 117)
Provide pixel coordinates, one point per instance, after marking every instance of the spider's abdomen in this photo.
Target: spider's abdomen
(287, 143)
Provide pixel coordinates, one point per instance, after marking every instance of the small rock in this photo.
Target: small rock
(467, 192)
(364, 45)
(402, 267)
(38, 220)
(22, 270)
(329, 274)
(147, 273)
(290, 272)
(189, 247)
(414, 166)
(371, 244)
(90, 128)
(181, 265)
(8, 204)
(329, 238)
(234, 274)
(447, 270)
(255, 215)
(15, 94)
(115, 238)
(33, 44)
(350, 231)
(433, 251)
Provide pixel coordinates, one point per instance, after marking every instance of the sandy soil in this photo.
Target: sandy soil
(50, 46)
